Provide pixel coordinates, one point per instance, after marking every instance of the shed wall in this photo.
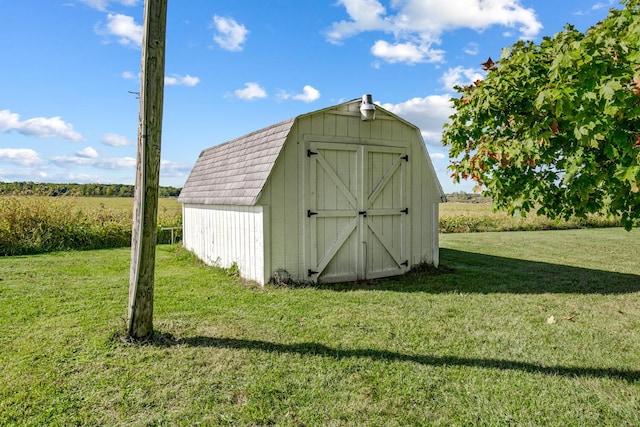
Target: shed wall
(426, 194)
(286, 191)
(280, 196)
(222, 235)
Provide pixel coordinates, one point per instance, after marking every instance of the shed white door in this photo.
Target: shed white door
(357, 211)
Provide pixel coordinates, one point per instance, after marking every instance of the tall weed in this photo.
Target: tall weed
(32, 224)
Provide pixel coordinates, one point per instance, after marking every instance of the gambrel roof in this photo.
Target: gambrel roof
(234, 173)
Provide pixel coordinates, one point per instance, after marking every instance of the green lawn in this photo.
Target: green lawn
(523, 328)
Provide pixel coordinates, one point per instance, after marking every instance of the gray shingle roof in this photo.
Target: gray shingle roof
(234, 173)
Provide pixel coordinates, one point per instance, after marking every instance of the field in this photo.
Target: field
(34, 224)
(166, 205)
(458, 217)
(527, 328)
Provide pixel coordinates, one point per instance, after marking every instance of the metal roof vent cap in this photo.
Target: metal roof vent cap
(367, 108)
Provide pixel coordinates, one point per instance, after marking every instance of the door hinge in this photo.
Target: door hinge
(310, 272)
(405, 210)
(311, 153)
(406, 263)
(363, 213)
(310, 213)
(405, 157)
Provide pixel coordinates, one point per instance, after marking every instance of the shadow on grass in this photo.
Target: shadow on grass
(469, 272)
(313, 349)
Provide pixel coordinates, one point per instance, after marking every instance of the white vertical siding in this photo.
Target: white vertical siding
(425, 200)
(222, 235)
(282, 210)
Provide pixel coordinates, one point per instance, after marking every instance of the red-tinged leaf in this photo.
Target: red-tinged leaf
(637, 143)
(635, 86)
(476, 178)
(554, 128)
(488, 65)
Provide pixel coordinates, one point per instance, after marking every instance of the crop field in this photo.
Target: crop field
(459, 217)
(166, 206)
(526, 328)
(33, 224)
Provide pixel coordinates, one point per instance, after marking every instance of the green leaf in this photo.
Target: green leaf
(609, 89)
(540, 100)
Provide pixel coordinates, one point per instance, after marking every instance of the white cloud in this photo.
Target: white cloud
(602, 5)
(309, 94)
(123, 27)
(64, 161)
(460, 76)
(102, 5)
(20, 156)
(23, 174)
(116, 163)
(595, 7)
(115, 140)
(472, 49)
(41, 127)
(9, 121)
(107, 163)
(89, 153)
(429, 114)
(437, 156)
(230, 35)
(176, 80)
(366, 15)
(128, 75)
(416, 25)
(169, 168)
(409, 53)
(251, 91)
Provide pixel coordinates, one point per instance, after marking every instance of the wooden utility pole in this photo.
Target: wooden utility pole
(145, 209)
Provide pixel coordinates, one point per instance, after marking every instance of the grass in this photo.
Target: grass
(528, 328)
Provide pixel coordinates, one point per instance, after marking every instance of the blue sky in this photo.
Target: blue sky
(232, 67)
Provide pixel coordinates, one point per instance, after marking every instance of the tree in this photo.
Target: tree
(555, 126)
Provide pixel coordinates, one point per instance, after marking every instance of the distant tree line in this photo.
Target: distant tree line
(462, 197)
(86, 190)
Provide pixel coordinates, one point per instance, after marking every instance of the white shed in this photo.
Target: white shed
(332, 195)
